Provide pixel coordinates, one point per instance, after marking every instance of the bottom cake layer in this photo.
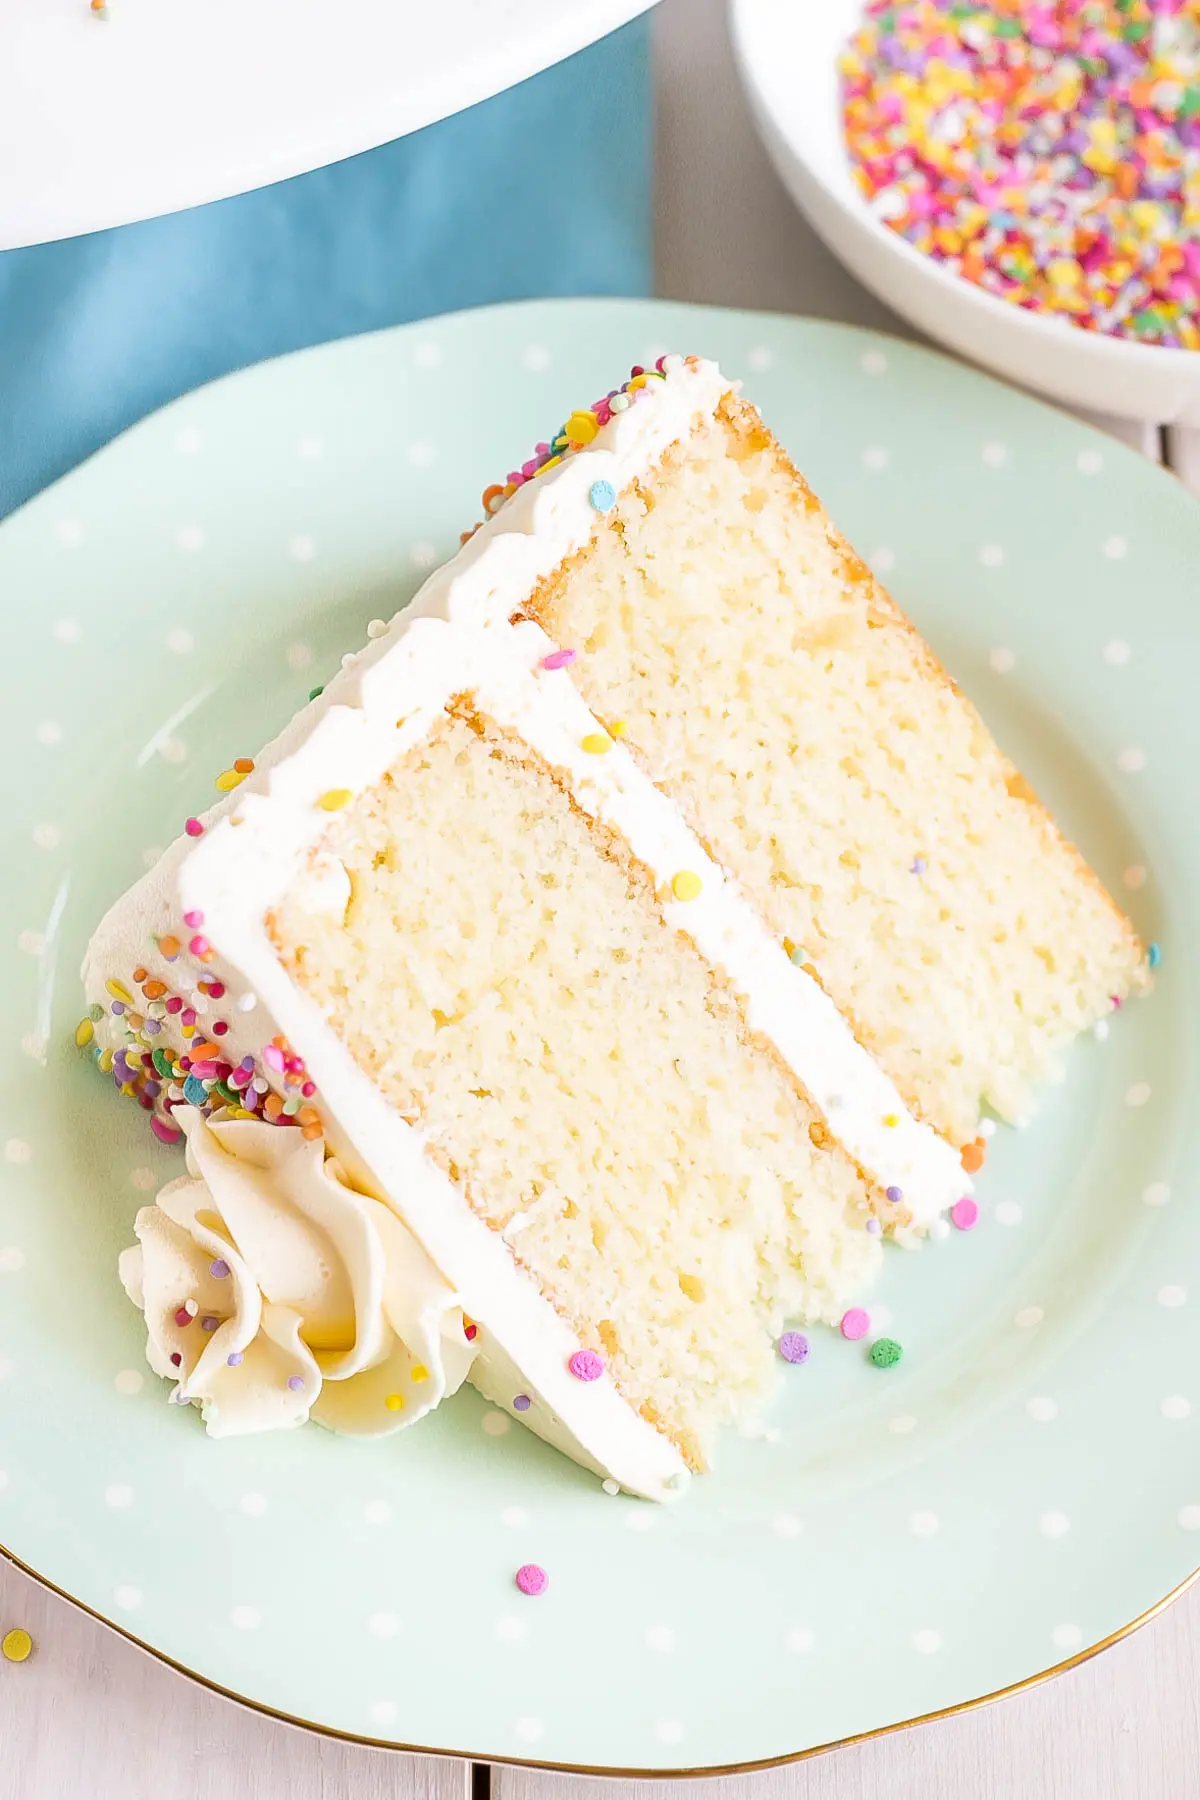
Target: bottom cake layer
(500, 968)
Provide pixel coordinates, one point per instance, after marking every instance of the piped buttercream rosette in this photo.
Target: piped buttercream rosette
(273, 1291)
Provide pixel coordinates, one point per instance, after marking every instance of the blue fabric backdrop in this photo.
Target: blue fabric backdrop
(542, 190)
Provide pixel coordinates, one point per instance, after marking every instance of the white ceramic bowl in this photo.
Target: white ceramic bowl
(788, 53)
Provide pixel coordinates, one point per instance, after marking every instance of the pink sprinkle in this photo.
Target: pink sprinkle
(188, 1016)
(164, 1132)
(273, 1057)
(174, 1004)
(183, 1316)
(199, 945)
(559, 659)
(532, 1579)
(194, 828)
(193, 919)
(585, 1365)
(309, 1089)
(205, 1070)
(176, 1358)
(219, 1028)
(216, 990)
(965, 1213)
(1116, 1000)
(856, 1323)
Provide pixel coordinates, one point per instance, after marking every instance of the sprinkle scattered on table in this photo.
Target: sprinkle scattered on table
(1049, 153)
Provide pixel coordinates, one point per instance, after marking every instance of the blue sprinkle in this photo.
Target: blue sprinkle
(235, 1358)
(895, 1194)
(195, 1092)
(1154, 956)
(602, 495)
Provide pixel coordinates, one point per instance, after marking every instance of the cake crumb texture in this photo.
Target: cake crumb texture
(809, 737)
(503, 973)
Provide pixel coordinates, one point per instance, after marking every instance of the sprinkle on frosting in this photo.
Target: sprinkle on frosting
(603, 495)
(597, 743)
(559, 659)
(686, 884)
(334, 799)
(965, 1213)
(585, 1365)
(1154, 955)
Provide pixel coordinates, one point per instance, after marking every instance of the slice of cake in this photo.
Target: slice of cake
(637, 925)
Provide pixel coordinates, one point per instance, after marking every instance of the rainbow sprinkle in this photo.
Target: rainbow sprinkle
(1049, 153)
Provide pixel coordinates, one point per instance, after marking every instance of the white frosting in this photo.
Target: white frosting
(457, 638)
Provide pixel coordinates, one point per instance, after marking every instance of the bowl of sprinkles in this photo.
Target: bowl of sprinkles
(1018, 178)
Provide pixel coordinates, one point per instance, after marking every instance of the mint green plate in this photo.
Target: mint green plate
(1026, 1483)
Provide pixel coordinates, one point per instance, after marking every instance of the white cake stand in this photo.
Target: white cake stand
(170, 103)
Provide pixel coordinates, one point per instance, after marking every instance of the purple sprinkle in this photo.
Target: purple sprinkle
(919, 865)
(117, 1009)
(295, 1382)
(219, 1268)
(874, 1227)
(522, 1403)
(236, 1358)
(894, 1194)
(209, 1322)
(153, 1026)
(793, 1347)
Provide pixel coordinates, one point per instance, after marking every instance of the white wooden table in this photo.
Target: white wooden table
(92, 1718)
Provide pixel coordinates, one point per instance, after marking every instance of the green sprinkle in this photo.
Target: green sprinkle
(292, 1105)
(1190, 104)
(314, 693)
(228, 1095)
(1136, 30)
(798, 955)
(164, 1062)
(1009, 28)
(95, 1014)
(885, 1353)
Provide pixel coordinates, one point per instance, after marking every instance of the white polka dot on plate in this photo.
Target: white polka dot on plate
(49, 733)
(427, 354)
(173, 750)
(143, 1180)
(377, 1512)
(1131, 760)
(994, 455)
(129, 1381)
(68, 631)
(301, 549)
(118, 1495)
(799, 1641)
(515, 1516)
(381, 1712)
(16, 1150)
(1138, 1094)
(1008, 1212)
(495, 1423)
(927, 1642)
(939, 1229)
(245, 1618)
(1189, 1518)
(528, 1730)
(34, 1047)
(639, 1518)
(991, 555)
(383, 1624)
(298, 656)
(1172, 1296)
(874, 362)
(422, 555)
(1114, 548)
(1041, 1408)
(1028, 1317)
(69, 531)
(660, 1638)
(875, 458)
(1001, 661)
(12, 1260)
(1066, 1637)
(1054, 1524)
(924, 1524)
(1157, 1194)
(421, 454)
(882, 561)
(47, 837)
(6, 1367)
(1175, 1406)
(1089, 462)
(310, 445)
(668, 1731)
(189, 441)
(3, 1478)
(32, 943)
(1134, 876)
(509, 1629)
(902, 1424)
(786, 1525)
(253, 1504)
(180, 641)
(127, 1598)
(758, 359)
(1116, 652)
(190, 538)
(535, 358)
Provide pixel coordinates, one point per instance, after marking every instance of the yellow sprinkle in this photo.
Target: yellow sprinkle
(335, 799)
(596, 743)
(105, 1063)
(618, 729)
(419, 1372)
(85, 1031)
(395, 1403)
(581, 428)
(228, 779)
(16, 1644)
(891, 1118)
(686, 884)
(119, 993)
